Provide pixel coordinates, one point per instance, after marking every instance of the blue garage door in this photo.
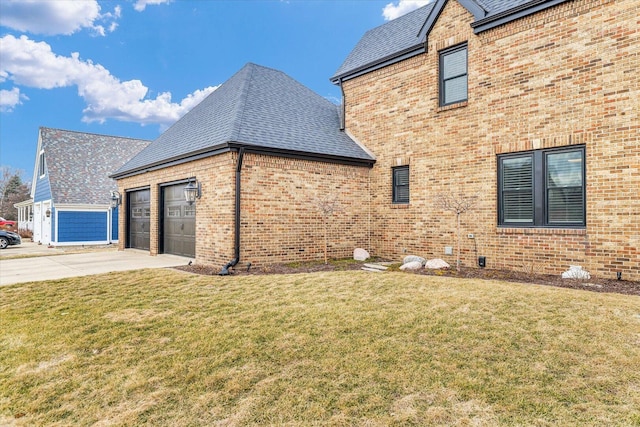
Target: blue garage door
(74, 226)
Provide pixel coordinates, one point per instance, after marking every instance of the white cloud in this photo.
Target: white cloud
(10, 98)
(140, 5)
(402, 7)
(33, 64)
(56, 17)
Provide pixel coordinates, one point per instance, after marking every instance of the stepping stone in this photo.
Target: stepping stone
(373, 270)
(376, 266)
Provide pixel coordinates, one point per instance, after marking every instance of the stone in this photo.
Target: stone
(360, 254)
(413, 265)
(411, 258)
(377, 266)
(436, 264)
(373, 270)
(576, 272)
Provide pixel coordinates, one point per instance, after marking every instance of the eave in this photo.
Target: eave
(518, 12)
(482, 23)
(235, 146)
(380, 63)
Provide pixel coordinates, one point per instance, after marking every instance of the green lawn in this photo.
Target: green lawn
(160, 347)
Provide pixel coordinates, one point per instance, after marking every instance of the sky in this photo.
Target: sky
(131, 68)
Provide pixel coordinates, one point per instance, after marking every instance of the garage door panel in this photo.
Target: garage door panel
(139, 219)
(179, 222)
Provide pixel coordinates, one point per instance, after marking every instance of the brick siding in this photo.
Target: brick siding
(280, 219)
(565, 76)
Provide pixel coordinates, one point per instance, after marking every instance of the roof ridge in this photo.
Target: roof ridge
(93, 133)
(242, 102)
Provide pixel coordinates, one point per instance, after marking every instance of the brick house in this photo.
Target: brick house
(529, 105)
(532, 106)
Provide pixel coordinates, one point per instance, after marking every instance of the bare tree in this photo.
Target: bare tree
(458, 204)
(328, 206)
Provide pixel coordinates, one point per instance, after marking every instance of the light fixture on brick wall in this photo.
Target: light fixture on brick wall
(192, 192)
(116, 199)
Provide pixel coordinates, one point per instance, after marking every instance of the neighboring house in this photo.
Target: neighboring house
(530, 105)
(71, 186)
(25, 214)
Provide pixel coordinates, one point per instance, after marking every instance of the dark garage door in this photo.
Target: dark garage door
(178, 223)
(139, 215)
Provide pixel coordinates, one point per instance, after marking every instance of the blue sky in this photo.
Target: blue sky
(133, 67)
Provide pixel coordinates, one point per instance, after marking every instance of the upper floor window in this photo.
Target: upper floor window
(41, 165)
(542, 188)
(453, 75)
(401, 184)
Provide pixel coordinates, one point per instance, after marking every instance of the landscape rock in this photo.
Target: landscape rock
(412, 258)
(377, 267)
(413, 265)
(436, 264)
(576, 272)
(360, 254)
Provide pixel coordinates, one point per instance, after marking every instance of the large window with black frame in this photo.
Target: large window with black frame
(542, 188)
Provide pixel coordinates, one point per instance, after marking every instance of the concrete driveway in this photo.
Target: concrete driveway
(56, 264)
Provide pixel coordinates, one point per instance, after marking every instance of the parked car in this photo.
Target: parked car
(9, 238)
(6, 224)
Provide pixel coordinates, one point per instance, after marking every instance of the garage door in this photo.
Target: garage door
(178, 223)
(139, 216)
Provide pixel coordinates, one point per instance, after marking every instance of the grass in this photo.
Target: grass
(159, 347)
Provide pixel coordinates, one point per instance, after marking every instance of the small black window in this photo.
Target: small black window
(453, 75)
(542, 188)
(401, 184)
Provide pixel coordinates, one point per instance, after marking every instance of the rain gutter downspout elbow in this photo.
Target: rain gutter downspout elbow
(236, 259)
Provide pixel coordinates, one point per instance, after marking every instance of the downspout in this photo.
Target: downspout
(343, 109)
(236, 259)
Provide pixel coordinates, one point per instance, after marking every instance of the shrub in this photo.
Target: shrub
(25, 233)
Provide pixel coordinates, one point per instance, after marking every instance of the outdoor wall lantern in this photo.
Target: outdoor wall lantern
(116, 199)
(192, 192)
(48, 213)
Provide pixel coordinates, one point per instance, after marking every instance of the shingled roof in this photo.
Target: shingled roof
(259, 108)
(406, 36)
(79, 164)
(387, 41)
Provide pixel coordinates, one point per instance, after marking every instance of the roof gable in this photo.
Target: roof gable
(257, 107)
(78, 164)
(407, 35)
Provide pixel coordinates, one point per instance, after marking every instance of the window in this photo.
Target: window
(542, 188)
(41, 165)
(401, 184)
(190, 210)
(174, 211)
(453, 75)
